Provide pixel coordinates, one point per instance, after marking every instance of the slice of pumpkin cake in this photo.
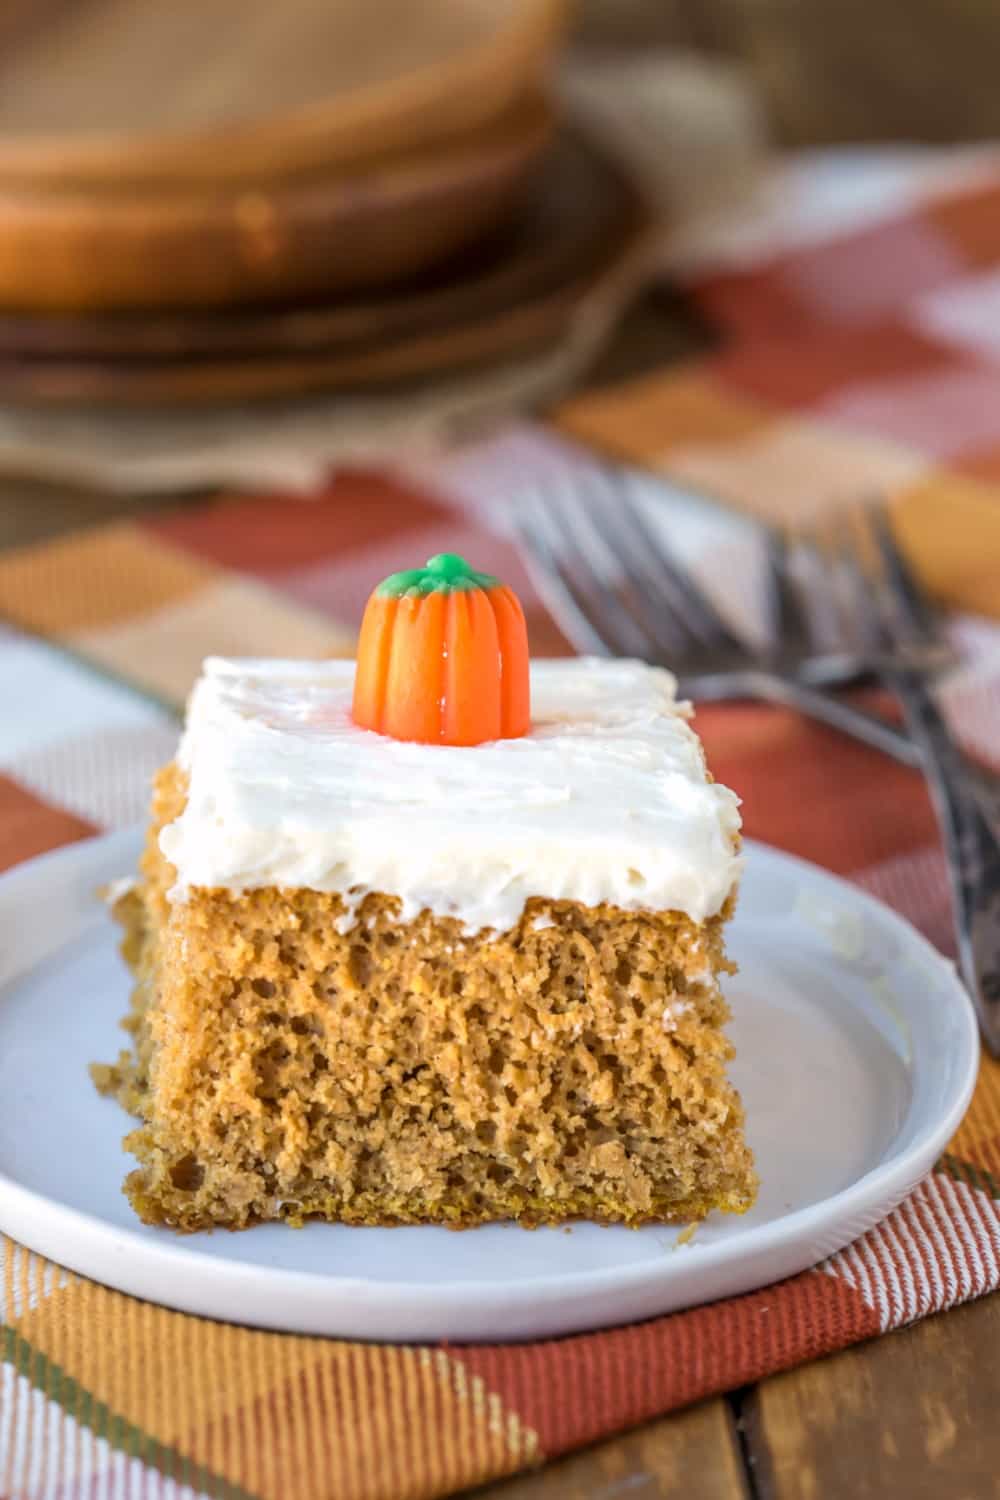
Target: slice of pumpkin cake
(410, 950)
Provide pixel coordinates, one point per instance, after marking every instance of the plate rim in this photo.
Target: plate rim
(894, 1178)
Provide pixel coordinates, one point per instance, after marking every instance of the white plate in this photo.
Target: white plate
(857, 1053)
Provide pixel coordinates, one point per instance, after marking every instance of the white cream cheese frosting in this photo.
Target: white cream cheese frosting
(605, 799)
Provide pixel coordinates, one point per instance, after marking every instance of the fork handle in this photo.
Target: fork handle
(835, 712)
(972, 848)
(859, 723)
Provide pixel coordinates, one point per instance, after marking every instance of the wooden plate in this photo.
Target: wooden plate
(563, 217)
(100, 92)
(310, 235)
(581, 216)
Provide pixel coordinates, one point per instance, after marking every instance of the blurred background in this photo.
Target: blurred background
(245, 245)
(912, 70)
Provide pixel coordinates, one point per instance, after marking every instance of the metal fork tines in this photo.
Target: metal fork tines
(886, 597)
(615, 589)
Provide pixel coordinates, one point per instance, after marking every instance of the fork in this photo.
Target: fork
(887, 606)
(615, 590)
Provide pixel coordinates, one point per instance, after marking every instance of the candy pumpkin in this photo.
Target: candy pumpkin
(443, 657)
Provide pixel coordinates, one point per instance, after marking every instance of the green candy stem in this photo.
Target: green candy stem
(446, 573)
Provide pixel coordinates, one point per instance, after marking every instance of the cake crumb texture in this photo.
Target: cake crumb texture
(407, 1072)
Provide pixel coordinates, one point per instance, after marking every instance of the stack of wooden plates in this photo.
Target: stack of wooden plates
(221, 198)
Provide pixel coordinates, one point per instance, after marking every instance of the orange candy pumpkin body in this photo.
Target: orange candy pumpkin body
(443, 657)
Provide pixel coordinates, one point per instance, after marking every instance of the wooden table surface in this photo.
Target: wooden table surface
(915, 1414)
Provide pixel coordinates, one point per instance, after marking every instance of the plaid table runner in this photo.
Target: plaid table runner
(837, 377)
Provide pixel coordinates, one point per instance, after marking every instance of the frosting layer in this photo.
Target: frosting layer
(606, 799)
